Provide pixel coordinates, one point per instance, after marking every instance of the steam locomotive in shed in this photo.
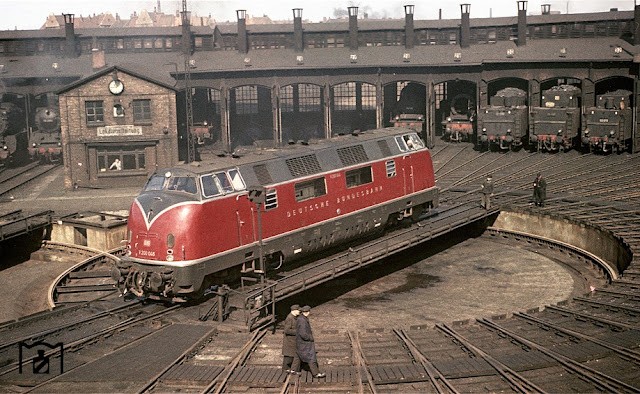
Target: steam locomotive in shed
(411, 108)
(503, 124)
(608, 126)
(555, 126)
(45, 143)
(460, 124)
(192, 227)
(13, 134)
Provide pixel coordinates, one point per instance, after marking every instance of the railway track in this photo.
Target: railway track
(587, 343)
(13, 178)
(88, 280)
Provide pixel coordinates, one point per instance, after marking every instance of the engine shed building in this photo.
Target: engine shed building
(295, 81)
(117, 127)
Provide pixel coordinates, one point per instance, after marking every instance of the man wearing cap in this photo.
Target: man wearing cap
(487, 192)
(306, 347)
(289, 340)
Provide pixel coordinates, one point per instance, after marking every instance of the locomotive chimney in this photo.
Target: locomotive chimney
(70, 35)
(465, 29)
(522, 23)
(353, 28)
(297, 30)
(243, 46)
(636, 19)
(408, 26)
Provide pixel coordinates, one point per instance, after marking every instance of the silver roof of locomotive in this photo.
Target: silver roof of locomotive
(273, 160)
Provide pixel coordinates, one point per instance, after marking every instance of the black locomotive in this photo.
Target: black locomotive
(555, 125)
(45, 142)
(13, 135)
(503, 124)
(459, 125)
(411, 108)
(608, 126)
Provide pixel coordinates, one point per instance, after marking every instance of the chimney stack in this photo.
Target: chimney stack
(297, 30)
(98, 60)
(70, 35)
(546, 9)
(465, 29)
(353, 28)
(243, 46)
(409, 35)
(522, 23)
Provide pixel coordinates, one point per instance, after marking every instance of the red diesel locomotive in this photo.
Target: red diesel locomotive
(196, 226)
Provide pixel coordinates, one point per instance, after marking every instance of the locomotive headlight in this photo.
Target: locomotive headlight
(559, 132)
(449, 119)
(484, 129)
(586, 132)
(169, 257)
(611, 133)
(4, 147)
(34, 145)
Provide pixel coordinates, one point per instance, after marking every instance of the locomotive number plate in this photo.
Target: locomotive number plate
(604, 120)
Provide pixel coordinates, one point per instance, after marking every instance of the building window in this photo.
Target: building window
(94, 111)
(357, 177)
(247, 100)
(368, 96)
(158, 43)
(142, 111)
(286, 98)
(148, 43)
(310, 189)
(344, 97)
(310, 97)
(120, 158)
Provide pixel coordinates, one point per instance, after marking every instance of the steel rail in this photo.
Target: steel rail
(438, 380)
(600, 379)
(515, 380)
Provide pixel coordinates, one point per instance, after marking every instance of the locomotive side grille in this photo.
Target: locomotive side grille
(303, 165)
(384, 148)
(263, 175)
(352, 155)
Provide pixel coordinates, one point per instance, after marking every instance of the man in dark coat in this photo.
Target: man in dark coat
(289, 340)
(539, 190)
(487, 192)
(306, 347)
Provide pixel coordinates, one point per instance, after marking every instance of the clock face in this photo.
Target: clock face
(116, 86)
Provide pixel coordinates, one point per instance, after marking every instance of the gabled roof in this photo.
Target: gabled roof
(109, 70)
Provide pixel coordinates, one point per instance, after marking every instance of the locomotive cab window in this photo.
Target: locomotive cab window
(182, 184)
(222, 183)
(310, 189)
(357, 177)
(409, 142)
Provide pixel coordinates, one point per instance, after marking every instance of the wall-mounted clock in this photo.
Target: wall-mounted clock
(116, 86)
